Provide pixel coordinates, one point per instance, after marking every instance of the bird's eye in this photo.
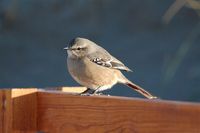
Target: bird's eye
(78, 48)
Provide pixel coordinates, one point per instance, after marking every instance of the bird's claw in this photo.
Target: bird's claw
(154, 97)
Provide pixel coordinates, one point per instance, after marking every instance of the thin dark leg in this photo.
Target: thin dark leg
(87, 92)
(96, 92)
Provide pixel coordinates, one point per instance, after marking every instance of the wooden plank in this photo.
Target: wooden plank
(18, 110)
(28, 111)
(64, 113)
(68, 89)
(24, 110)
(5, 111)
(1, 111)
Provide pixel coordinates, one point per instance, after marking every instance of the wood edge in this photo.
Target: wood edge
(76, 89)
(16, 92)
(159, 101)
(72, 91)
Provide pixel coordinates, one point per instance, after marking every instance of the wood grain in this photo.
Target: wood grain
(30, 111)
(64, 113)
(18, 111)
(5, 111)
(24, 110)
(1, 111)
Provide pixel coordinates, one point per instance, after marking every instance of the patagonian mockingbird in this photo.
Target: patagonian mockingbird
(93, 67)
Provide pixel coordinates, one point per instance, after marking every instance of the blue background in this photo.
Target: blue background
(162, 51)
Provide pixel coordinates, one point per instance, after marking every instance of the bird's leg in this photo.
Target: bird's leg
(91, 92)
(87, 92)
(96, 92)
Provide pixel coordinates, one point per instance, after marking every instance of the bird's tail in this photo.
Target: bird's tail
(122, 79)
(139, 89)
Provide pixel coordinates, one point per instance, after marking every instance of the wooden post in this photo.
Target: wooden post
(33, 110)
(18, 111)
(5, 111)
(64, 113)
(24, 110)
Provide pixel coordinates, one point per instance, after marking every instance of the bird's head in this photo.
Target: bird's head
(79, 47)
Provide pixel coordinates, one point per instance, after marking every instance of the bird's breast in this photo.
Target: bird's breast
(90, 74)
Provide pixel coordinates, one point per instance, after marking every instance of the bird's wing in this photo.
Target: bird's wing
(107, 60)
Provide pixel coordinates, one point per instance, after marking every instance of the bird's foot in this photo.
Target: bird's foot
(154, 97)
(98, 94)
(86, 94)
(89, 94)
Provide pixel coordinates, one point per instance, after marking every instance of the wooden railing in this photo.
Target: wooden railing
(35, 110)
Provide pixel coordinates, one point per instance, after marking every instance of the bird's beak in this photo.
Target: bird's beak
(66, 48)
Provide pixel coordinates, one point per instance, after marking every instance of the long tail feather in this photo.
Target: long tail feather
(140, 90)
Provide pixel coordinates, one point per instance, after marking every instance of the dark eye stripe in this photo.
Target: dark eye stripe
(81, 48)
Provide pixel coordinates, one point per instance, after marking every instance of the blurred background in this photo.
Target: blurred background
(158, 40)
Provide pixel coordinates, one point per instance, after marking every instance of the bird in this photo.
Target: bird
(95, 68)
